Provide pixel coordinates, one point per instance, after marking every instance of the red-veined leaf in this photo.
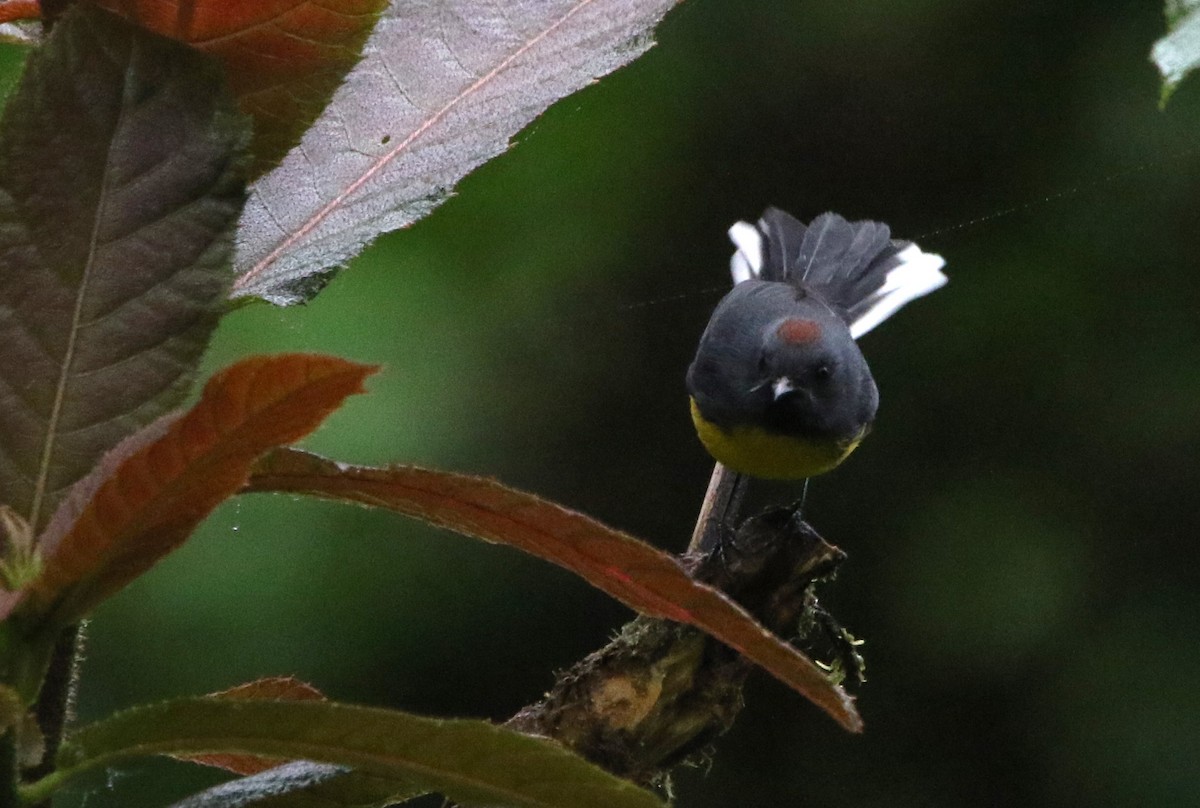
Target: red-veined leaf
(441, 88)
(640, 576)
(148, 494)
(283, 58)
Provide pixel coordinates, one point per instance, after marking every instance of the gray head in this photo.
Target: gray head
(778, 356)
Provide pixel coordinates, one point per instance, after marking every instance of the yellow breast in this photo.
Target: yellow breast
(759, 453)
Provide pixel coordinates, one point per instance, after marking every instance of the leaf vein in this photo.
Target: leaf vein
(386, 159)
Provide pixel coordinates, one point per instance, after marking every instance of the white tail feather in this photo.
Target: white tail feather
(747, 260)
(919, 274)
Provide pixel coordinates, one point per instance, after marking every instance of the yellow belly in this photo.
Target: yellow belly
(759, 453)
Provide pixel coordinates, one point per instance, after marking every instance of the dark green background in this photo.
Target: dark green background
(1021, 524)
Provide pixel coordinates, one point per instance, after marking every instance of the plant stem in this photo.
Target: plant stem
(39, 794)
(53, 707)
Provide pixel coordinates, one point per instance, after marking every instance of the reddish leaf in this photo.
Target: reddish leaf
(284, 58)
(149, 493)
(274, 688)
(12, 10)
(640, 576)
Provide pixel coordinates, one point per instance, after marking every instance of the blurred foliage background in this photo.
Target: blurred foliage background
(1021, 524)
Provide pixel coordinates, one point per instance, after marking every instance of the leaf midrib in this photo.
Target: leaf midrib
(402, 764)
(68, 360)
(315, 220)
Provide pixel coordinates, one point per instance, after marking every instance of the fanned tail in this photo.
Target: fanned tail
(855, 266)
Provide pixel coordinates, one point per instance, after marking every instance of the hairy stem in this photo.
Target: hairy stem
(54, 705)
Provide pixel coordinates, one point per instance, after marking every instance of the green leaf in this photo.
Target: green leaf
(276, 688)
(270, 783)
(1178, 53)
(121, 163)
(635, 573)
(440, 90)
(473, 762)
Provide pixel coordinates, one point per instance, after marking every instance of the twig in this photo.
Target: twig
(660, 693)
(720, 509)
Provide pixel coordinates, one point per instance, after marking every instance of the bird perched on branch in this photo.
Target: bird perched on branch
(779, 388)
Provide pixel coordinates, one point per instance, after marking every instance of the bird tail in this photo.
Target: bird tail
(855, 266)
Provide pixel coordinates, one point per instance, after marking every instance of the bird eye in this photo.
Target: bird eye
(822, 372)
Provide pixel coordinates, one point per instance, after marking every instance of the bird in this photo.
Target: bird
(779, 388)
